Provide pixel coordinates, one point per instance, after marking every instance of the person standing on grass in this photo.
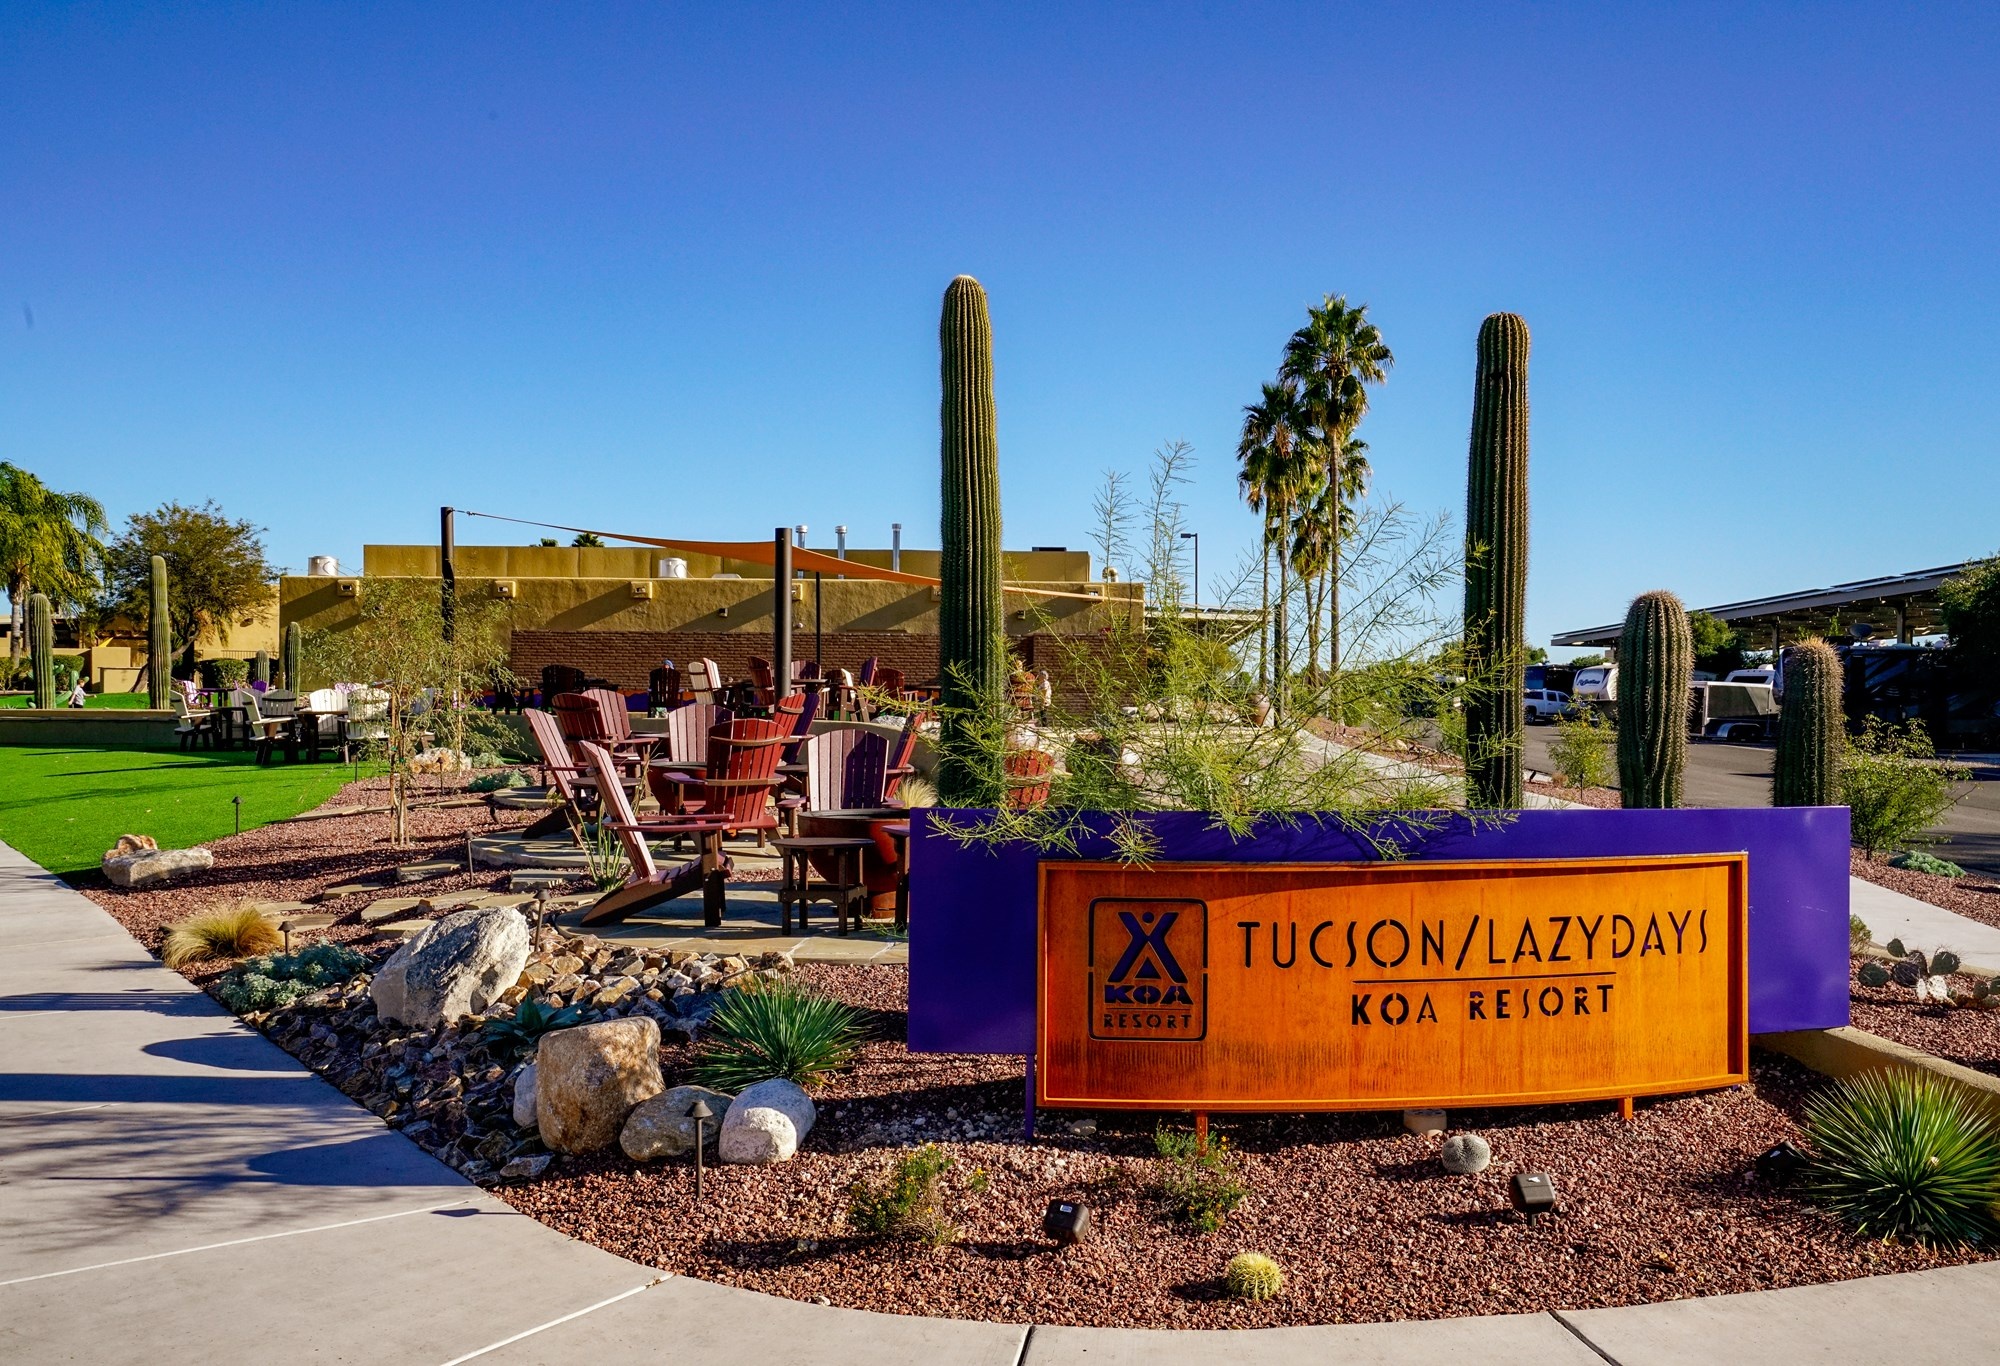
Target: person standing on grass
(77, 696)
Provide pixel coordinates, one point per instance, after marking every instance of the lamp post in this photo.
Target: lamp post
(1195, 536)
(698, 1112)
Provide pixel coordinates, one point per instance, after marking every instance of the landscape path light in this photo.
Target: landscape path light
(699, 1113)
(1534, 1193)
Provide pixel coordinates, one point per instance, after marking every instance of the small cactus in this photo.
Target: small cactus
(294, 656)
(1811, 729)
(1944, 963)
(42, 644)
(159, 638)
(261, 668)
(1655, 673)
(1465, 1154)
(1253, 1276)
(1872, 975)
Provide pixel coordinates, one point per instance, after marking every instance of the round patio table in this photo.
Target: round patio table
(879, 863)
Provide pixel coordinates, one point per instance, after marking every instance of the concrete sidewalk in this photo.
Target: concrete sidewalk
(174, 1188)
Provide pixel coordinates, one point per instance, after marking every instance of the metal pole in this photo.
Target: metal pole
(1195, 536)
(840, 545)
(781, 614)
(896, 546)
(447, 548)
(819, 628)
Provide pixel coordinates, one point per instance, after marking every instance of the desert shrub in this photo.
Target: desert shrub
(1201, 1183)
(234, 930)
(504, 780)
(262, 984)
(777, 1030)
(517, 1035)
(1253, 1276)
(1905, 1155)
(1917, 861)
(1584, 751)
(224, 673)
(914, 1199)
(1857, 932)
(1894, 786)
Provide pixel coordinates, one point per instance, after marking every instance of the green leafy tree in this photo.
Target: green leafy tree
(1970, 605)
(1332, 360)
(1717, 649)
(217, 567)
(49, 543)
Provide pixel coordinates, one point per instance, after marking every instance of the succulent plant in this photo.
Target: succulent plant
(1465, 1154)
(42, 647)
(1496, 563)
(972, 641)
(294, 655)
(1928, 975)
(1655, 672)
(1917, 861)
(1811, 729)
(260, 668)
(1253, 1276)
(159, 639)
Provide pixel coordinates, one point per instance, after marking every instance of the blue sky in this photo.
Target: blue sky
(677, 269)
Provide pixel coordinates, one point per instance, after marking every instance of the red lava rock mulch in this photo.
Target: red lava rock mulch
(1972, 896)
(1960, 1034)
(1364, 1221)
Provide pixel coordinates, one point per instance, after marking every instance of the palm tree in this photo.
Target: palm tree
(1326, 519)
(49, 541)
(1272, 476)
(1332, 360)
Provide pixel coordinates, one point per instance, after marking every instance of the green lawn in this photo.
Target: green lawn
(106, 699)
(64, 807)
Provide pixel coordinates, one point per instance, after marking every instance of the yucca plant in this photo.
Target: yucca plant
(518, 1035)
(235, 930)
(1905, 1155)
(778, 1030)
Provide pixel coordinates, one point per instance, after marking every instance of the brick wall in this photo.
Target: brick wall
(626, 658)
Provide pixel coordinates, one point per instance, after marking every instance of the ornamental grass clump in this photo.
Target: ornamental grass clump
(1253, 1276)
(1201, 1181)
(913, 1199)
(778, 1030)
(236, 929)
(271, 983)
(1905, 1155)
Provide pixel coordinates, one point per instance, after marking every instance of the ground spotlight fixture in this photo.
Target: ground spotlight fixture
(1067, 1221)
(1534, 1193)
(1780, 1162)
(699, 1113)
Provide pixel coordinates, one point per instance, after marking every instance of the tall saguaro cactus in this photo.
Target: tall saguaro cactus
(42, 637)
(972, 644)
(1811, 728)
(159, 639)
(1496, 563)
(1655, 668)
(260, 667)
(294, 655)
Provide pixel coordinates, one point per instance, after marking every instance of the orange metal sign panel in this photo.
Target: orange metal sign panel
(1378, 986)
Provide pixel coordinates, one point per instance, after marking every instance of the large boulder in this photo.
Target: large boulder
(660, 1127)
(766, 1123)
(138, 861)
(588, 1079)
(452, 968)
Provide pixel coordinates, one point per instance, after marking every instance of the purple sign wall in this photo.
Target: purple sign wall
(972, 908)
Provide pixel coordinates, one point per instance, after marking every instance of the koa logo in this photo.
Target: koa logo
(1148, 969)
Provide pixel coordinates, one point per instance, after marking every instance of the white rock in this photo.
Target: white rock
(766, 1123)
(524, 1097)
(135, 862)
(452, 968)
(1424, 1121)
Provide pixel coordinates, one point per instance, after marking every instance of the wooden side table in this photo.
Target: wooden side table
(846, 889)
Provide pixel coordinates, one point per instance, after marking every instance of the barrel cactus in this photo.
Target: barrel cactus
(972, 645)
(294, 655)
(1496, 563)
(42, 645)
(1465, 1154)
(1253, 1276)
(1655, 670)
(1811, 729)
(159, 639)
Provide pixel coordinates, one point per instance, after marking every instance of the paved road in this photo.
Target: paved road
(1740, 775)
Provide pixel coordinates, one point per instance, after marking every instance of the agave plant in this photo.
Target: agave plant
(532, 1019)
(1905, 1155)
(777, 1031)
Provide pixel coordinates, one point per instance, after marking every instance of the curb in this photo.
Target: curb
(1848, 1051)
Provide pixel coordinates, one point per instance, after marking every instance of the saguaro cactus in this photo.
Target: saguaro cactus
(42, 641)
(972, 645)
(1496, 563)
(159, 639)
(260, 667)
(1811, 728)
(294, 655)
(1655, 667)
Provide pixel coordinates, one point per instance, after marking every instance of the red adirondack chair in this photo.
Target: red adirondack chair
(648, 883)
(900, 766)
(764, 681)
(735, 791)
(617, 719)
(802, 717)
(561, 772)
(1029, 776)
(843, 768)
(706, 681)
(684, 747)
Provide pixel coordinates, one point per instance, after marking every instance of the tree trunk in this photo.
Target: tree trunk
(1264, 622)
(1333, 604)
(1281, 642)
(17, 601)
(1314, 590)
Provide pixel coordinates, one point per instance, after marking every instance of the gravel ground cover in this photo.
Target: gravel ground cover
(1959, 1034)
(1972, 896)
